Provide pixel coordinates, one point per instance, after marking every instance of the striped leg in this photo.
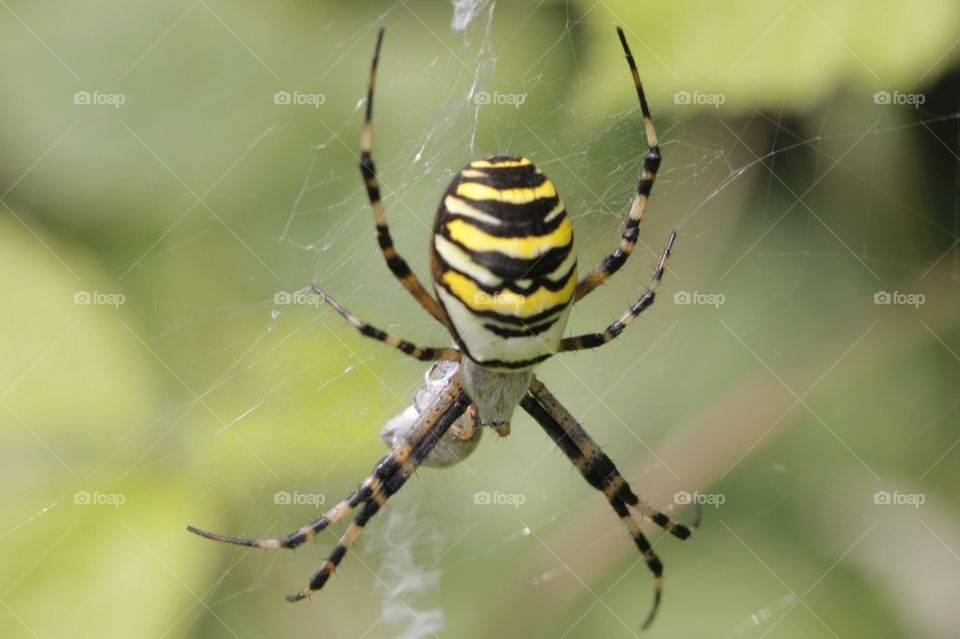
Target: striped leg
(390, 473)
(593, 340)
(600, 472)
(651, 162)
(396, 468)
(429, 354)
(307, 532)
(397, 265)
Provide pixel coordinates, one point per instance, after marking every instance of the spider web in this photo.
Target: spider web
(296, 400)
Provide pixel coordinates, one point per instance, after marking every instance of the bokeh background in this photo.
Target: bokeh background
(161, 215)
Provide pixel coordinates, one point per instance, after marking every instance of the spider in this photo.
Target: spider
(504, 271)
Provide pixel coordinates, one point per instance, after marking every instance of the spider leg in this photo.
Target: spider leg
(397, 265)
(395, 469)
(651, 162)
(306, 532)
(592, 340)
(442, 413)
(429, 354)
(601, 473)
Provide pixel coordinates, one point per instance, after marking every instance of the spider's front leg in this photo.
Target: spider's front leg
(395, 262)
(651, 163)
(601, 473)
(389, 475)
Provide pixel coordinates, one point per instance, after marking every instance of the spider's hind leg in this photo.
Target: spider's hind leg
(306, 532)
(392, 473)
(601, 473)
(389, 475)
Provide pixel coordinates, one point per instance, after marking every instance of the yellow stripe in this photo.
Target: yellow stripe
(473, 174)
(474, 191)
(517, 247)
(508, 302)
(501, 164)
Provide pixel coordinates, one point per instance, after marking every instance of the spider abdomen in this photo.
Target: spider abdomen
(503, 261)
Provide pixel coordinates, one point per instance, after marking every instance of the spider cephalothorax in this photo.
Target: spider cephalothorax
(505, 275)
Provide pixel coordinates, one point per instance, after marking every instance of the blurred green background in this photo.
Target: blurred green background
(156, 205)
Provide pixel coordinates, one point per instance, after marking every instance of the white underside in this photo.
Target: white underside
(486, 346)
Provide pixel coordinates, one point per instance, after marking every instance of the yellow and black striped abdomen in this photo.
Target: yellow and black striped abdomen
(504, 265)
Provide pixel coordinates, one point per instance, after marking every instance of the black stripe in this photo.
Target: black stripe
(513, 365)
(528, 331)
(511, 319)
(367, 169)
(337, 555)
(512, 285)
(593, 340)
(316, 583)
(398, 266)
(620, 508)
(383, 237)
(369, 510)
(653, 562)
(386, 468)
(645, 186)
(369, 172)
(505, 177)
(523, 225)
(652, 160)
(520, 214)
(514, 268)
(502, 157)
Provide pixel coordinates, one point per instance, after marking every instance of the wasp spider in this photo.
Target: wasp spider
(505, 274)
